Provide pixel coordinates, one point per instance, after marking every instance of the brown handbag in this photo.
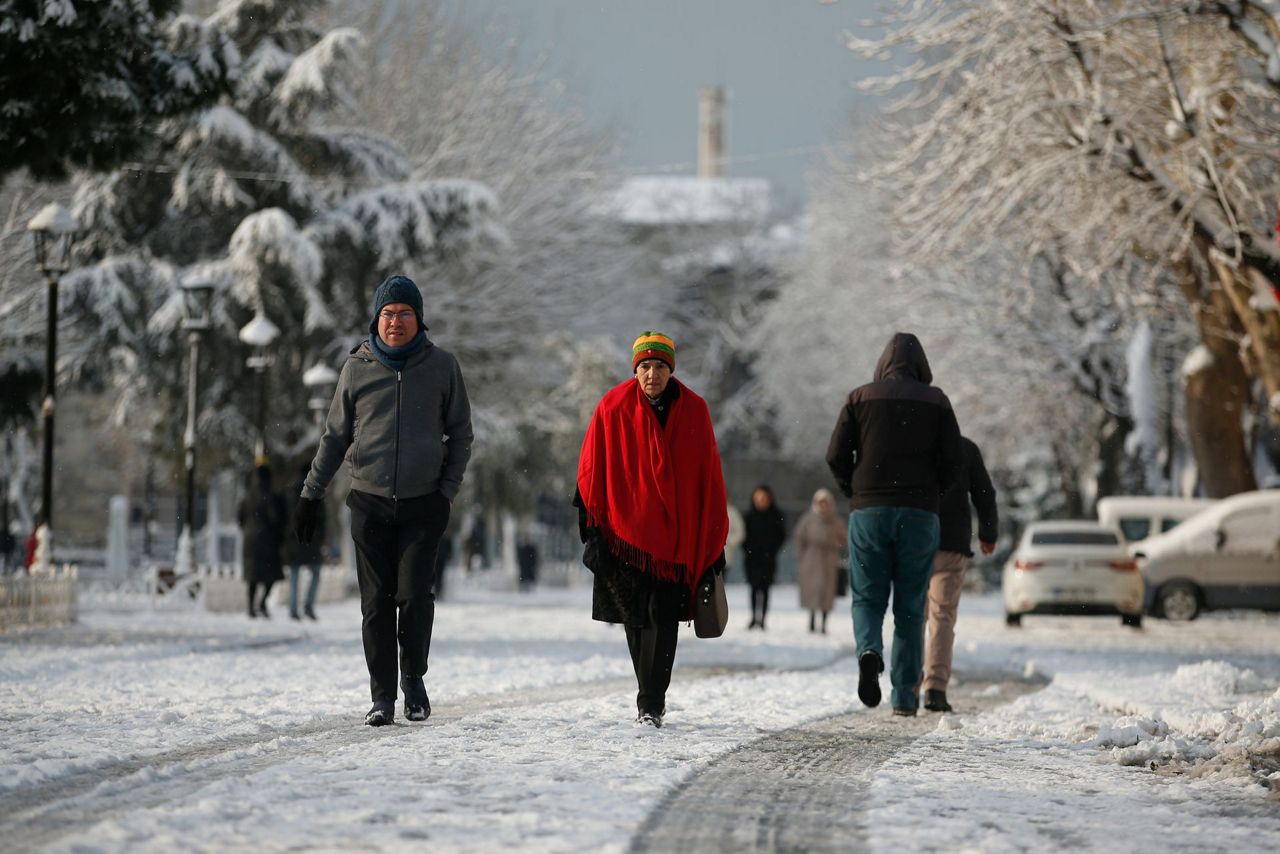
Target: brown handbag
(711, 608)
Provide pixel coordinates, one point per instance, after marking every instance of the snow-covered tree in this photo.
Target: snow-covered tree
(276, 196)
(84, 84)
(1113, 134)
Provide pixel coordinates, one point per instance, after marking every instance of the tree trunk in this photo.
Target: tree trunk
(1217, 396)
(1262, 355)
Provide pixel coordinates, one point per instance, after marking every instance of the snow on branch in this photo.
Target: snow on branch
(318, 76)
(269, 244)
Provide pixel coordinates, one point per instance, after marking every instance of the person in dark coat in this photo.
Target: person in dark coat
(894, 451)
(527, 560)
(262, 519)
(298, 556)
(766, 532)
(949, 564)
(651, 512)
(402, 419)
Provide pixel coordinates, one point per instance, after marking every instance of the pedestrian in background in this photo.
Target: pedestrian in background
(262, 518)
(651, 512)
(401, 402)
(298, 555)
(737, 532)
(527, 561)
(950, 562)
(894, 450)
(821, 538)
(766, 531)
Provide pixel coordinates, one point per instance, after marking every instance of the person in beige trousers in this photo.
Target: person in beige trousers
(949, 564)
(821, 539)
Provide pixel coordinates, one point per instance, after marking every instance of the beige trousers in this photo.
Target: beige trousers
(944, 596)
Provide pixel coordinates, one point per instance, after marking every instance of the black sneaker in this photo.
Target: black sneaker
(382, 713)
(904, 712)
(417, 706)
(936, 701)
(310, 613)
(870, 666)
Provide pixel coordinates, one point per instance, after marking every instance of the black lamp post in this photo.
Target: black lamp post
(197, 299)
(53, 230)
(258, 334)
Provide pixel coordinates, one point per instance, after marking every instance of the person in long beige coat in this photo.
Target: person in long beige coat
(821, 540)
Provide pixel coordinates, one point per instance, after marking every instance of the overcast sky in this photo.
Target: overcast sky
(638, 65)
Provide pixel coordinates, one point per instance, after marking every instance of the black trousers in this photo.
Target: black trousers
(759, 602)
(653, 655)
(396, 545)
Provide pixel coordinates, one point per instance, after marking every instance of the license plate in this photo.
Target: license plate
(1073, 592)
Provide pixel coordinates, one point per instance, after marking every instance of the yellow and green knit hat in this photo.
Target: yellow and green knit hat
(653, 345)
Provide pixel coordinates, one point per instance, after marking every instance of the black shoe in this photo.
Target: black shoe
(293, 615)
(903, 712)
(382, 713)
(936, 701)
(253, 615)
(653, 719)
(870, 666)
(309, 612)
(417, 706)
(262, 611)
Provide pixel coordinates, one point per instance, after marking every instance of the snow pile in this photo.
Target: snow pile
(1209, 719)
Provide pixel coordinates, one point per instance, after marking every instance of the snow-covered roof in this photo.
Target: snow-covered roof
(687, 200)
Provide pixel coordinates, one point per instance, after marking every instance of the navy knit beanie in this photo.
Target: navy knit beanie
(396, 289)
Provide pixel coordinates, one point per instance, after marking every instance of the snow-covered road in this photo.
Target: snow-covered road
(156, 731)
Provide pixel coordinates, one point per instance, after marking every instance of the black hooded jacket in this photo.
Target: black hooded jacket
(974, 484)
(896, 443)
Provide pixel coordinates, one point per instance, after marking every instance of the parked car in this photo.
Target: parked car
(1141, 516)
(1227, 556)
(1074, 567)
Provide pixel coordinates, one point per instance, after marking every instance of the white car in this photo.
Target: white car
(1227, 556)
(1075, 567)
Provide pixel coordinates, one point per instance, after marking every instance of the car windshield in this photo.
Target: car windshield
(1074, 538)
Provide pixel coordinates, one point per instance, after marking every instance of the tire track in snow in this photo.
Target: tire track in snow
(802, 789)
(37, 816)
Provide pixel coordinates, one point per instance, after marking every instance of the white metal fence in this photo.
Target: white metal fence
(33, 601)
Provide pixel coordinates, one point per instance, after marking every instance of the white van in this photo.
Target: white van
(1141, 516)
(1227, 556)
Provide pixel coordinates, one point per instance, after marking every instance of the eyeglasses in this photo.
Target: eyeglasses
(402, 316)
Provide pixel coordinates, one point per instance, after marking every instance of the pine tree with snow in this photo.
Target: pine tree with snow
(269, 196)
(83, 84)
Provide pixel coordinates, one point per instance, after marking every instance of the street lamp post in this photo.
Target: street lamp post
(197, 296)
(258, 334)
(318, 378)
(53, 230)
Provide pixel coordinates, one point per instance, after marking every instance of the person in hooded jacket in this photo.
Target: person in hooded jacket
(894, 451)
(401, 416)
(766, 531)
(651, 512)
(820, 541)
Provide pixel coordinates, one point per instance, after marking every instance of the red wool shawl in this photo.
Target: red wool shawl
(657, 495)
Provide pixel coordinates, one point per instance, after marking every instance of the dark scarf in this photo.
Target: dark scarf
(396, 358)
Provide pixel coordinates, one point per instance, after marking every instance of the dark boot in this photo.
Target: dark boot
(903, 712)
(870, 666)
(936, 701)
(813, 621)
(382, 713)
(417, 706)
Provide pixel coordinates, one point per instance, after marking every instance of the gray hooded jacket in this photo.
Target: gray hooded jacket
(407, 433)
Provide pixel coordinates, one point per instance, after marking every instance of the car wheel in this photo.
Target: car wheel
(1012, 619)
(1134, 620)
(1179, 602)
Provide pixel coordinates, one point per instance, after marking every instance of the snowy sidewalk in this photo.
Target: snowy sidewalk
(153, 732)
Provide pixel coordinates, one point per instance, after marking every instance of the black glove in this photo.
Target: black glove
(306, 514)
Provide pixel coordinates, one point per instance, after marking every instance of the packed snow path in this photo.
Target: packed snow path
(155, 732)
(805, 788)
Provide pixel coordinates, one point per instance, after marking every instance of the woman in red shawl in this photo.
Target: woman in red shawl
(651, 512)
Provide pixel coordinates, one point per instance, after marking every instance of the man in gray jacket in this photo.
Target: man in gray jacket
(401, 416)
